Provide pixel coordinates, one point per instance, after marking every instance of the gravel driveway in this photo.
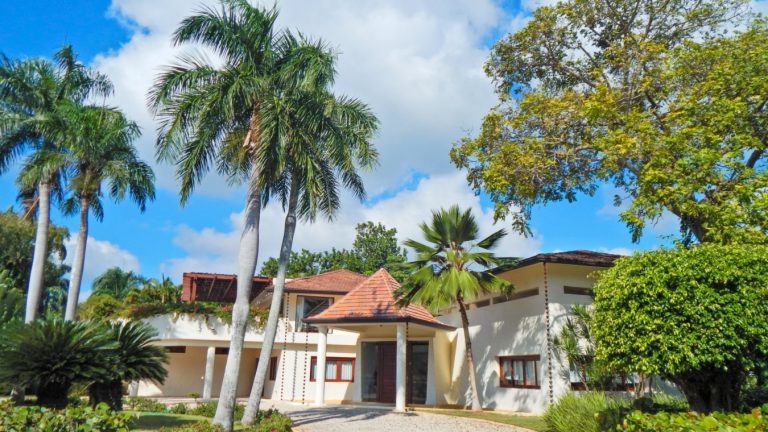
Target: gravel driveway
(342, 418)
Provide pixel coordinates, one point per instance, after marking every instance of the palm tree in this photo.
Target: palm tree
(452, 269)
(315, 139)
(116, 283)
(101, 151)
(204, 109)
(135, 358)
(31, 94)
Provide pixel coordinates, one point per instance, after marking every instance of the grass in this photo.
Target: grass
(529, 422)
(145, 421)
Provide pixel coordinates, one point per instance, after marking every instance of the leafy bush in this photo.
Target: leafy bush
(582, 412)
(179, 408)
(71, 419)
(637, 421)
(139, 403)
(208, 409)
(660, 402)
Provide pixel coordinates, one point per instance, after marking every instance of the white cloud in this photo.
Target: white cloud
(216, 251)
(618, 251)
(100, 255)
(418, 64)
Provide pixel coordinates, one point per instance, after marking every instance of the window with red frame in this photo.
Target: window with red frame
(519, 371)
(273, 368)
(337, 369)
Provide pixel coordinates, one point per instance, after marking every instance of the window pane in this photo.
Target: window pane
(517, 369)
(530, 373)
(506, 372)
(313, 370)
(346, 370)
(330, 370)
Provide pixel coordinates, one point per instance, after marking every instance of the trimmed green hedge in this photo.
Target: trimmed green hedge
(637, 421)
(72, 419)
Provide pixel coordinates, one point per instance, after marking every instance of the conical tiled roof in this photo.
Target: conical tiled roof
(373, 301)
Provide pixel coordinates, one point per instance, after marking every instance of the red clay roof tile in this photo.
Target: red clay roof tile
(333, 282)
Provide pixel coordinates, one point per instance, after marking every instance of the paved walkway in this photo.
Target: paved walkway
(343, 418)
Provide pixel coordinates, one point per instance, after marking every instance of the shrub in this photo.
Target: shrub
(754, 397)
(582, 412)
(139, 403)
(659, 402)
(71, 419)
(179, 408)
(698, 318)
(208, 409)
(637, 421)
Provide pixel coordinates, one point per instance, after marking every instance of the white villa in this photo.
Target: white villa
(341, 339)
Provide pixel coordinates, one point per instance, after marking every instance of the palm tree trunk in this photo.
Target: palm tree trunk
(35, 289)
(470, 358)
(270, 330)
(79, 262)
(247, 257)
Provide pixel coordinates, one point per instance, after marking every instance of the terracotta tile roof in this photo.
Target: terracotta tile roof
(216, 287)
(333, 282)
(373, 301)
(577, 257)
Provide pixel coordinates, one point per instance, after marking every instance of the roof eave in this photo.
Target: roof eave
(374, 320)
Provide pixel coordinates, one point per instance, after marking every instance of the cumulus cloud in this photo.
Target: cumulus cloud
(213, 250)
(418, 65)
(101, 255)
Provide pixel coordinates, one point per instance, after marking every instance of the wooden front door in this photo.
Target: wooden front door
(385, 385)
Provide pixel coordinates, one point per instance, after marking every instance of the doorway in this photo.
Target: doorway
(379, 369)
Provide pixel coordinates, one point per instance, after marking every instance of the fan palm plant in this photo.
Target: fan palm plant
(201, 106)
(117, 283)
(52, 355)
(103, 159)
(31, 94)
(135, 358)
(316, 143)
(452, 269)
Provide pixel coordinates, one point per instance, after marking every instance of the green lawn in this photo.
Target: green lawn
(528, 422)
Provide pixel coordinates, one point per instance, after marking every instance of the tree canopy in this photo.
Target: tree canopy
(695, 316)
(654, 98)
(375, 246)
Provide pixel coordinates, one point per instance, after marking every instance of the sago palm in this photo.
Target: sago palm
(31, 94)
(314, 143)
(202, 105)
(103, 161)
(452, 269)
(134, 358)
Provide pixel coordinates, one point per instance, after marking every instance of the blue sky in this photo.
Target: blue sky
(427, 88)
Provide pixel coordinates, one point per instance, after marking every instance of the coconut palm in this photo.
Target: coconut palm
(203, 108)
(317, 141)
(31, 94)
(103, 160)
(135, 358)
(452, 269)
(117, 283)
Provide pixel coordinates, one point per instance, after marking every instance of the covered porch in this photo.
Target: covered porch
(396, 349)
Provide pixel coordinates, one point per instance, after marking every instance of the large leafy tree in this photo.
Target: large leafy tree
(653, 98)
(696, 316)
(316, 143)
(375, 246)
(103, 161)
(218, 113)
(452, 268)
(32, 93)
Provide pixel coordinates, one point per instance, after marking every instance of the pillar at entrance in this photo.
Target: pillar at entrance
(322, 347)
(210, 359)
(400, 369)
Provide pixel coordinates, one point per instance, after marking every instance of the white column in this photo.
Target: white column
(322, 346)
(133, 389)
(210, 359)
(400, 369)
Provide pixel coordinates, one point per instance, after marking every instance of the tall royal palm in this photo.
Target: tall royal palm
(204, 107)
(316, 142)
(31, 95)
(103, 161)
(452, 269)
